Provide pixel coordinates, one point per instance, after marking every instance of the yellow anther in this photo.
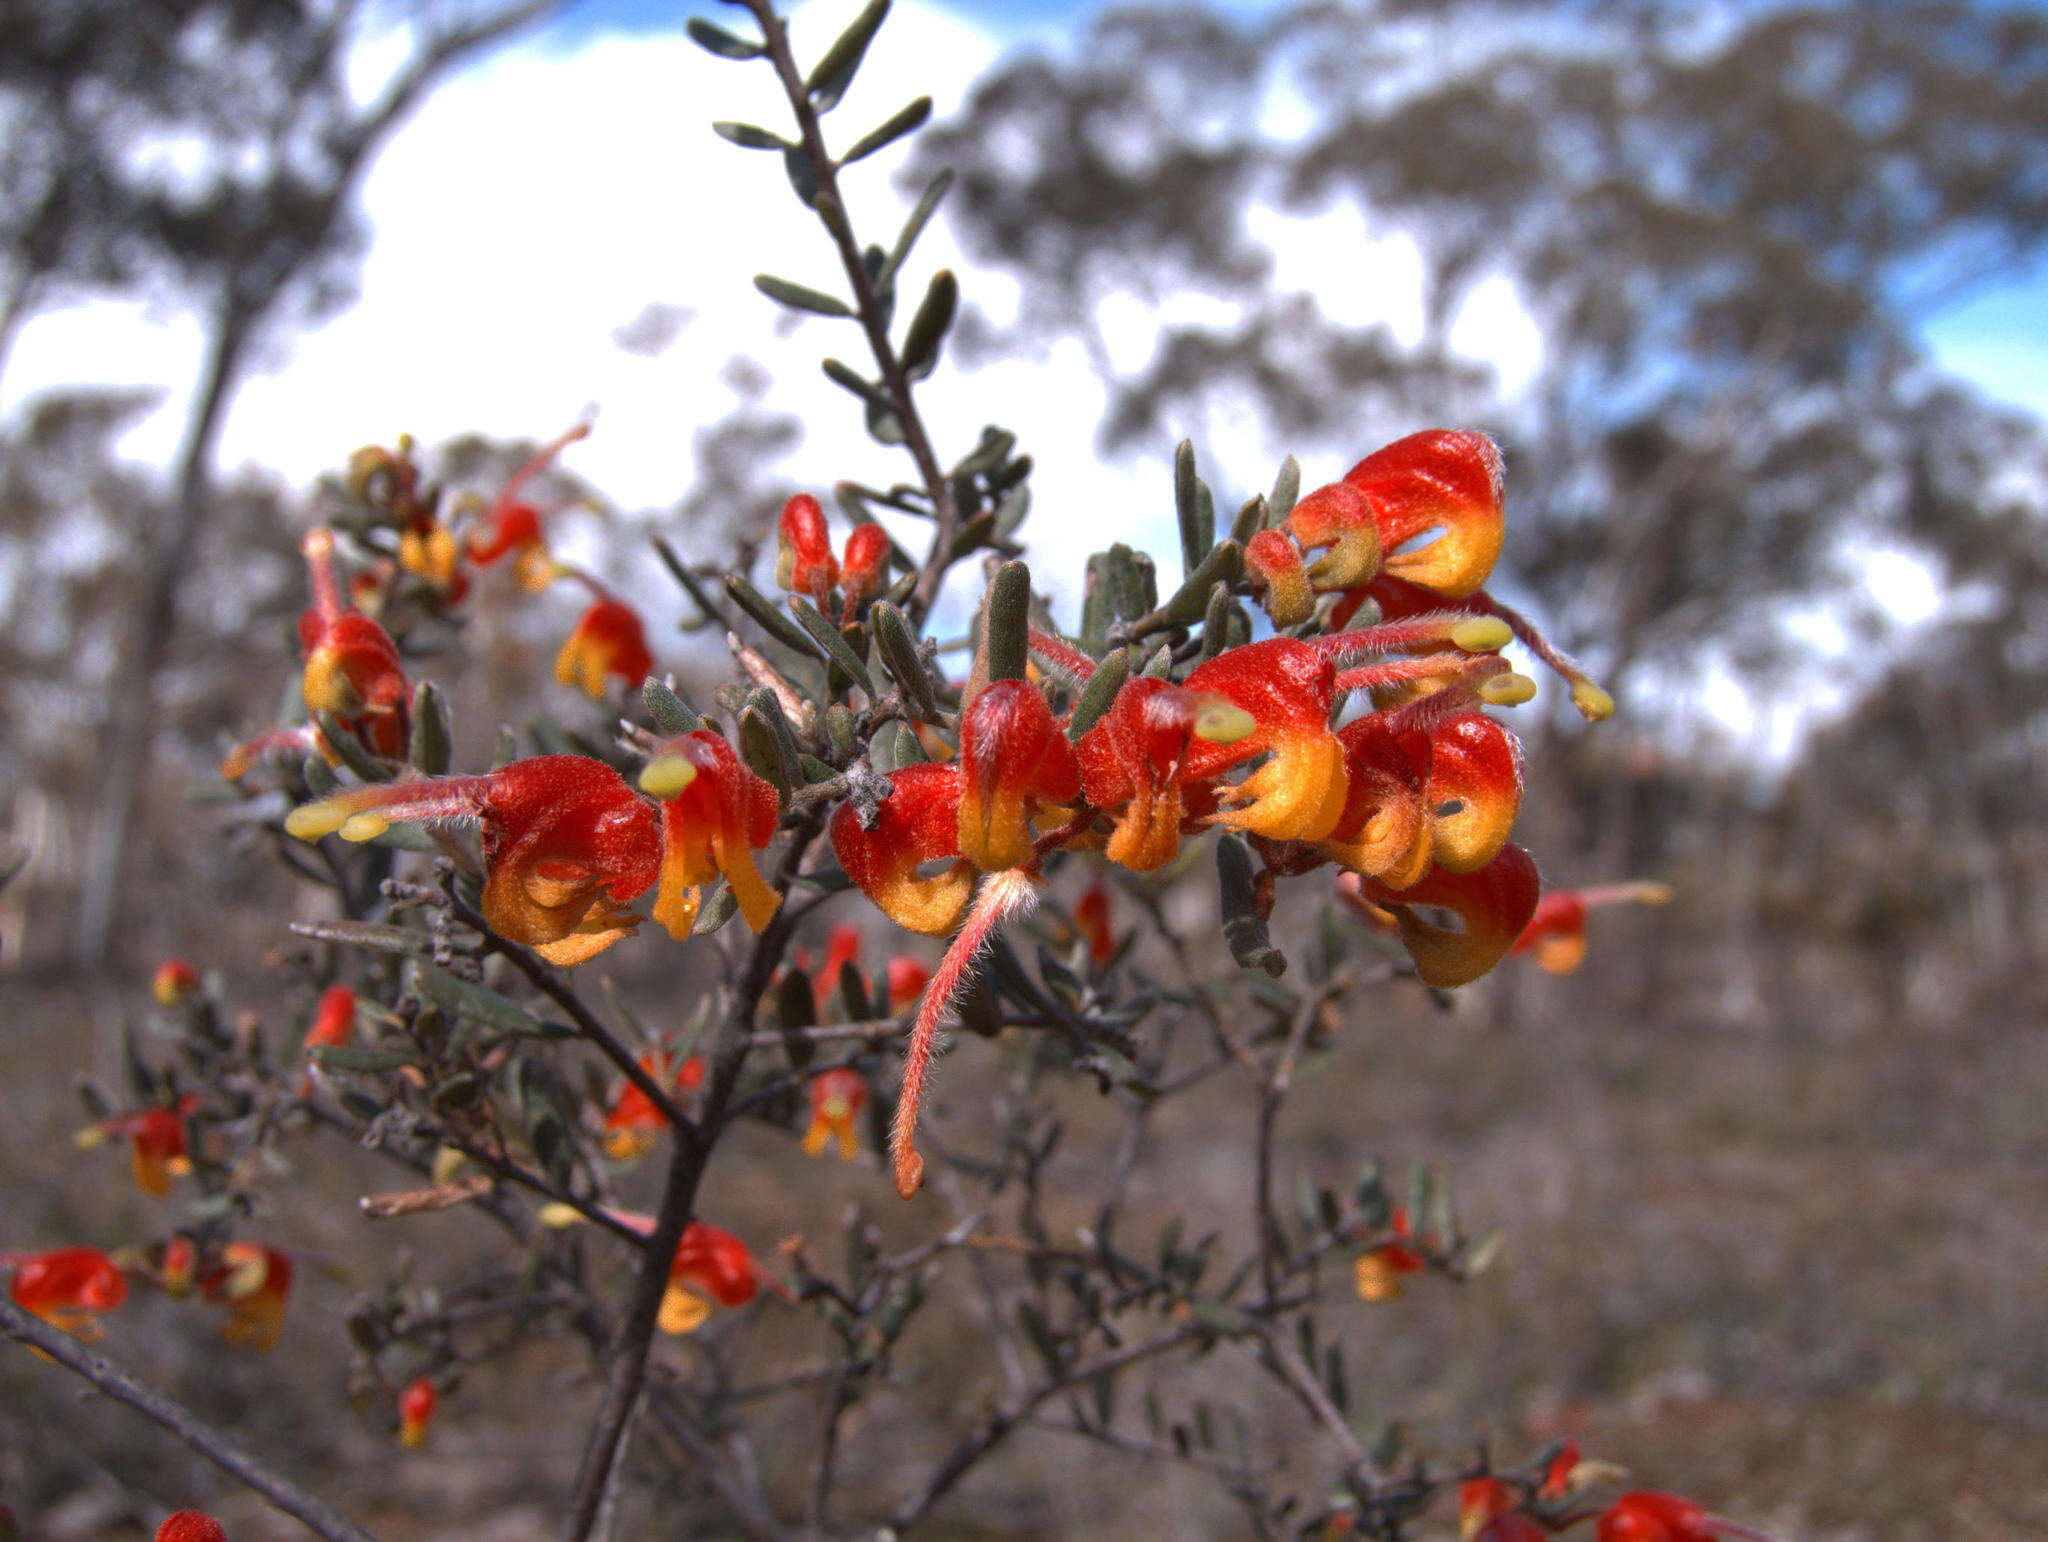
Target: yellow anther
(366, 826)
(310, 821)
(1221, 722)
(1482, 634)
(1594, 703)
(89, 1137)
(1508, 690)
(556, 1216)
(667, 775)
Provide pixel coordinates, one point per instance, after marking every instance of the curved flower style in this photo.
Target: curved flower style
(512, 528)
(190, 1526)
(1013, 761)
(1556, 933)
(837, 1097)
(352, 668)
(566, 843)
(68, 1288)
(253, 1282)
(158, 1155)
(710, 1267)
(918, 822)
(416, 1405)
(608, 641)
(714, 814)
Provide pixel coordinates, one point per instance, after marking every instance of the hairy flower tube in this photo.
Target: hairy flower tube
(715, 813)
(1286, 687)
(416, 1405)
(1281, 583)
(512, 528)
(1491, 905)
(174, 982)
(804, 563)
(1556, 933)
(1013, 761)
(1134, 763)
(918, 822)
(352, 668)
(157, 1153)
(863, 570)
(608, 643)
(1440, 480)
(710, 1267)
(190, 1526)
(67, 1288)
(837, 1097)
(634, 1122)
(566, 844)
(253, 1282)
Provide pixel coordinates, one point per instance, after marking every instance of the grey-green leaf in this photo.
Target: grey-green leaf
(799, 298)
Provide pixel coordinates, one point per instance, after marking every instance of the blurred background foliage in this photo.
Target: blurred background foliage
(1772, 1162)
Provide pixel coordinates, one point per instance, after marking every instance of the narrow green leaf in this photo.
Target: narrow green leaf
(716, 40)
(850, 379)
(1249, 521)
(833, 641)
(350, 749)
(928, 326)
(459, 998)
(772, 619)
(1224, 564)
(1243, 928)
(1006, 633)
(913, 227)
(798, 298)
(1097, 608)
(749, 136)
(671, 714)
(830, 77)
(1109, 677)
(433, 745)
(1194, 540)
(368, 934)
(803, 176)
(1286, 489)
(897, 645)
(906, 121)
(355, 1057)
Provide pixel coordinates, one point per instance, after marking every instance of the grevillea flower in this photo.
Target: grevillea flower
(710, 1266)
(608, 642)
(1556, 933)
(1286, 687)
(804, 563)
(68, 1288)
(907, 980)
(389, 482)
(190, 1526)
(837, 1097)
(173, 983)
(1376, 1273)
(634, 1121)
(157, 1153)
(173, 1266)
(334, 1019)
(1013, 761)
(1091, 919)
(512, 528)
(864, 569)
(1134, 763)
(566, 844)
(416, 1405)
(352, 667)
(1278, 578)
(1487, 1512)
(918, 822)
(294, 741)
(1439, 480)
(1644, 1516)
(1492, 906)
(842, 947)
(714, 814)
(253, 1282)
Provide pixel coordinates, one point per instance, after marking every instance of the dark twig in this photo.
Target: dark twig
(121, 1385)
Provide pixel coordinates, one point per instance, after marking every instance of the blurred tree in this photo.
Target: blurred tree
(211, 148)
(1721, 218)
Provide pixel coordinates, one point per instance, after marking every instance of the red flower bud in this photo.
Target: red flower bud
(708, 1263)
(1091, 917)
(1556, 933)
(1136, 758)
(157, 1151)
(1477, 764)
(1286, 686)
(333, 1020)
(607, 642)
(173, 982)
(1273, 564)
(352, 667)
(416, 1405)
(907, 980)
(865, 569)
(1338, 517)
(804, 563)
(190, 1526)
(1651, 1517)
(841, 948)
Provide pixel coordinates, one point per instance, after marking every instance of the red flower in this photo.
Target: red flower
(190, 1526)
(1376, 1273)
(1013, 761)
(1278, 579)
(1136, 759)
(842, 947)
(352, 667)
(566, 843)
(634, 1121)
(253, 1282)
(1091, 917)
(918, 822)
(907, 980)
(1556, 933)
(710, 1266)
(1492, 905)
(157, 1151)
(607, 642)
(864, 569)
(333, 1020)
(1650, 1517)
(513, 528)
(416, 1405)
(837, 1097)
(714, 814)
(173, 982)
(804, 563)
(68, 1288)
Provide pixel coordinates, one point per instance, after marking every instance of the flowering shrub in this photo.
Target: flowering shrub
(1307, 709)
